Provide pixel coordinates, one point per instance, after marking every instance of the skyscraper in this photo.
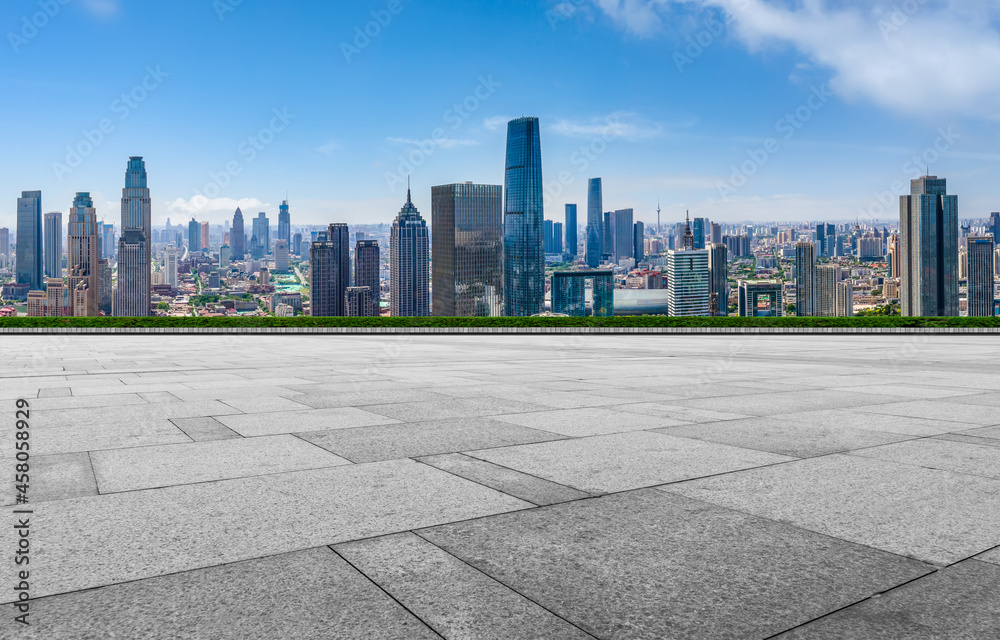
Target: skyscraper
(84, 256)
(108, 244)
(133, 294)
(689, 283)
(607, 237)
(105, 293)
(468, 250)
(638, 242)
(53, 245)
(981, 292)
(557, 237)
(238, 237)
(929, 245)
(29, 240)
(571, 228)
(297, 244)
(548, 232)
(262, 231)
(194, 236)
(821, 240)
(623, 235)
(359, 303)
(699, 229)
(524, 253)
(828, 276)
(593, 247)
(367, 263)
(894, 256)
(170, 266)
(409, 263)
(845, 299)
(595, 220)
(718, 267)
(285, 223)
(205, 235)
(805, 279)
(4, 242)
(995, 227)
(281, 255)
(330, 264)
(716, 233)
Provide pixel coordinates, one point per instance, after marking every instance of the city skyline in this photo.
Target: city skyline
(855, 143)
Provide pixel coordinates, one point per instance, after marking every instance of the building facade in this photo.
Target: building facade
(761, 299)
(805, 279)
(623, 235)
(30, 267)
(718, 266)
(238, 237)
(367, 265)
(569, 293)
(688, 283)
(928, 222)
(285, 223)
(572, 243)
(827, 277)
(595, 222)
(409, 263)
(982, 296)
(524, 251)
(281, 255)
(53, 249)
(133, 295)
(84, 256)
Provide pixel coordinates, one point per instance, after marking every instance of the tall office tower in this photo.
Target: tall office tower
(205, 235)
(894, 255)
(572, 244)
(548, 235)
(84, 255)
(805, 279)
(262, 229)
(928, 224)
(607, 237)
(524, 253)
(409, 263)
(716, 233)
(194, 236)
(718, 267)
(557, 238)
(689, 283)
(104, 291)
(963, 264)
(845, 299)
(170, 266)
(281, 255)
(285, 223)
(238, 237)
(297, 244)
(108, 244)
(359, 236)
(595, 220)
(592, 250)
(367, 262)
(359, 303)
(59, 299)
(53, 245)
(821, 240)
(828, 276)
(830, 235)
(994, 227)
(981, 293)
(4, 242)
(996, 263)
(699, 228)
(638, 242)
(623, 235)
(29, 240)
(133, 295)
(330, 262)
(225, 257)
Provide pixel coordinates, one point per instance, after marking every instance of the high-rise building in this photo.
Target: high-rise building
(133, 295)
(595, 221)
(638, 242)
(592, 251)
(105, 292)
(845, 299)
(238, 237)
(557, 238)
(225, 257)
(205, 236)
(84, 256)
(688, 283)
(821, 240)
(53, 250)
(718, 267)
(572, 244)
(981, 291)
(409, 263)
(194, 236)
(468, 250)
(262, 231)
(170, 266)
(716, 233)
(548, 234)
(367, 263)
(607, 239)
(894, 256)
(805, 279)
(699, 228)
(360, 303)
(281, 255)
(929, 245)
(330, 264)
(828, 276)
(285, 223)
(761, 299)
(58, 299)
(108, 243)
(623, 235)
(30, 268)
(524, 252)
(297, 244)
(569, 293)
(994, 227)
(4, 244)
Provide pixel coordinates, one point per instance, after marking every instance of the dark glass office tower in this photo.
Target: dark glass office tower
(593, 249)
(524, 251)
(409, 264)
(262, 230)
(638, 242)
(29, 240)
(928, 223)
(994, 227)
(134, 292)
(607, 237)
(238, 237)
(699, 228)
(595, 213)
(718, 268)
(981, 297)
(285, 223)
(468, 250)
(367, 260)
(622, 235)
(571, 227)
(53, 245)
(805, 279)
(194, 236)
(330, 264)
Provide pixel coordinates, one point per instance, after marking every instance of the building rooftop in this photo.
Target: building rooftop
(550, 486)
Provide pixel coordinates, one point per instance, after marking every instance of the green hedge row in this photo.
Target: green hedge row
(883, 322)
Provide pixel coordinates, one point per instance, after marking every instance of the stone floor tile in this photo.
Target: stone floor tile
(265, 424)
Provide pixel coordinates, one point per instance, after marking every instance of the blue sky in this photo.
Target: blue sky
(684, 102)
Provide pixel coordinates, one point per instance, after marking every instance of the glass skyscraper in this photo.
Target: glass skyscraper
(84, 256)
(238, 237)
(367, 264)
(194, 236)
(524, 250)
(29, 240)
(134, 291)
(409, 263)
(285, 223)
(928, 223)
(699, 229)
(805, 279)
(595, 221)
(622, 235)
(569, 293)
(981, 292)
(330, 265)
(53, 244)
(468, 250)
(572, 243)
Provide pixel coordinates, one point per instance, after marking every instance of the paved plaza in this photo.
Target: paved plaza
(507, 487)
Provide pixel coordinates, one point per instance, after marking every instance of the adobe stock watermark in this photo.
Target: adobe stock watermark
(456, 116)
(712, 28)
(248, 150)
(585, 156)
(786, 128)
(371, 30)
(899, 17)
(563, 12)
(223, 7)
(122, 106)
(887, 201)
(32, 25)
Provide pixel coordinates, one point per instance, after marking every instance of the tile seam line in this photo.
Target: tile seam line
(525, 500)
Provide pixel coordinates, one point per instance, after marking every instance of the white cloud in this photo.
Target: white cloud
(444, 143)
(620, 124)
(941, 58)
(496, 122)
